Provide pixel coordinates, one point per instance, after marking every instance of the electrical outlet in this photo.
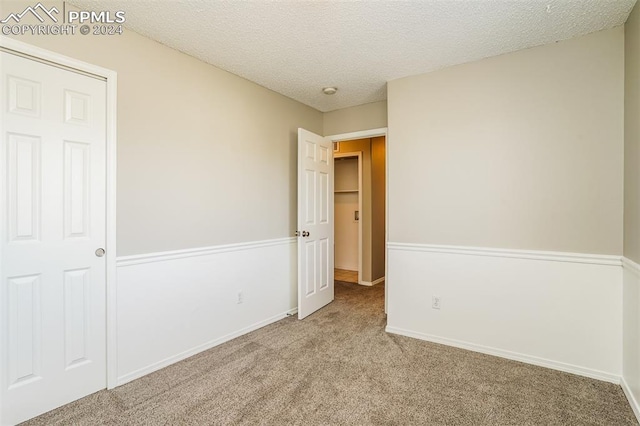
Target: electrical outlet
(435, 302)
(240, 297)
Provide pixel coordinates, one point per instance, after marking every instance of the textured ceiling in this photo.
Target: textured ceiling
(298, 47)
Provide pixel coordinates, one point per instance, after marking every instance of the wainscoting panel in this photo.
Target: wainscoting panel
(631, 332)
(558, 310)
(173, 305)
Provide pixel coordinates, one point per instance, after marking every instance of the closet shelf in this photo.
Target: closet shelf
(344, 191)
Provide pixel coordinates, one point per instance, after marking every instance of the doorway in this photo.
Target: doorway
(360, 209)
(347, 208)
(315, 233)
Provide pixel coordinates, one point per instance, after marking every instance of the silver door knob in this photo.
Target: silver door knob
(100, 252)
(305, 233)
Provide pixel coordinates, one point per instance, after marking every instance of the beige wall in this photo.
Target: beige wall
(378, 172)
(353, 119)
(520, 151)
(204, 157)
(632, 138)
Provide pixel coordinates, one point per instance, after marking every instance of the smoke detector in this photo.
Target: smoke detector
(329, 90)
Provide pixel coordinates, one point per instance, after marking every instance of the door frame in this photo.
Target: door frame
(358, 155)
(372, 133)
(29, 51)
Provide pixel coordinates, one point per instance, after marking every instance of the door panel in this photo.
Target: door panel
(324, 263)
(310, 266)
(315, 222)
(25, 357)
(76, 189)
(77, 303)
(24, 187)
(52, 285)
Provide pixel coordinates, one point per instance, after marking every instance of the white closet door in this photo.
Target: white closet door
(52, 293)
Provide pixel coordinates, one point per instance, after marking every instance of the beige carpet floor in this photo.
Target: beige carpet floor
(338, 366)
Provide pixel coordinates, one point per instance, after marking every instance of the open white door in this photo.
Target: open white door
(52, 206)
(315, 222)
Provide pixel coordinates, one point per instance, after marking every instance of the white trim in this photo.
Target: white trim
(635, 406)
(110, 76)
(386, 219)
(372, 283)
(596, 259)
(111, 240)
(542, 362)
(54, 58)
(138, 259)
(382, 131)
(630, 265)
(193, 351)
(358, 155)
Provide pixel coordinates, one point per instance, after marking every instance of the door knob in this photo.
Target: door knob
(100, 252)
(305, 233)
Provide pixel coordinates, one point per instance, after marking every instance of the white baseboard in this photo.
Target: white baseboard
(349, 268)
(632, 400)
(372, 283)
(200, 348)
(567, 368)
